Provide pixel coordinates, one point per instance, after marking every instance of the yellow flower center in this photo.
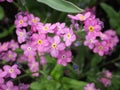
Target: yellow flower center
(45, 28)
(100, 47)
(11, 70)
(68, 35)
(39, 41)
(34, 20)
(54, 45)
(20, 34)
(21, 22)
(82, 17)
(91, 28)
(90, 41)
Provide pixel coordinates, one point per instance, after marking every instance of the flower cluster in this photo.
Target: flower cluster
(106, 77)
(7, 50)
(10, 72)
(37, 39)
(100, 42)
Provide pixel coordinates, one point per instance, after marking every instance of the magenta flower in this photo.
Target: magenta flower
(39, 42)
(101, 48)
(9, 86)
(11, 71)
(55, 46)
(21, 21)
(28, 49)
(10, 1)
(108, 74)
(43, 61)
(90, 41)
(92, 26)
(21, 33)
(90, 86)
(81, 17)
(13, 45)
(34, 66)
(60, 28)
(64, 57)
(2, 73)
(11, 56)
(4, 46)
(47, 28)
(105, 81)
(23, 86)
(69, 37)
(106, 78)
(1, 81)
(33, 20)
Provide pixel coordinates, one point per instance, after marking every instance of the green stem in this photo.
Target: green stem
(16, 4)
(112, 61)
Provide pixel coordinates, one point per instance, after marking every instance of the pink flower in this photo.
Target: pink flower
(10, 1)
(90, 41)
(11, 56)
(43, 61)
(9, 86)
(101, 48)
(69, 37)
(105, 81)
(40, 42)
(4, 46)
(23, 86)
(33, 20)
(21, 33)
(55, 46)
(60, 28)
(34, 66)
(12, 71)
(47, 28)
(13, 45)
(21, 21)
(106, 77)
(92, 25)
(81, 17)
(28, 49)
(64, 57)
(1, 80)
(90, 86)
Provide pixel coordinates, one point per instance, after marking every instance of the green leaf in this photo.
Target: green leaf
(95, 60)
(1, 13)
(73, 84)
(113, 16)
(62, 5)
(57, 72)
(35, 86)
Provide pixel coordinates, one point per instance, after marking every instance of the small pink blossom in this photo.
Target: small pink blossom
(12, 71)
(55, 46)
(69, 37)
(21, 21)
(9, 86)
(90, 86)
(101, 48)
(40, 42)
(64, 57)
(21, 33)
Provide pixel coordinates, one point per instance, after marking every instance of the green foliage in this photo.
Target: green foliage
(1, 13)
(62, 5)
(113, 17)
